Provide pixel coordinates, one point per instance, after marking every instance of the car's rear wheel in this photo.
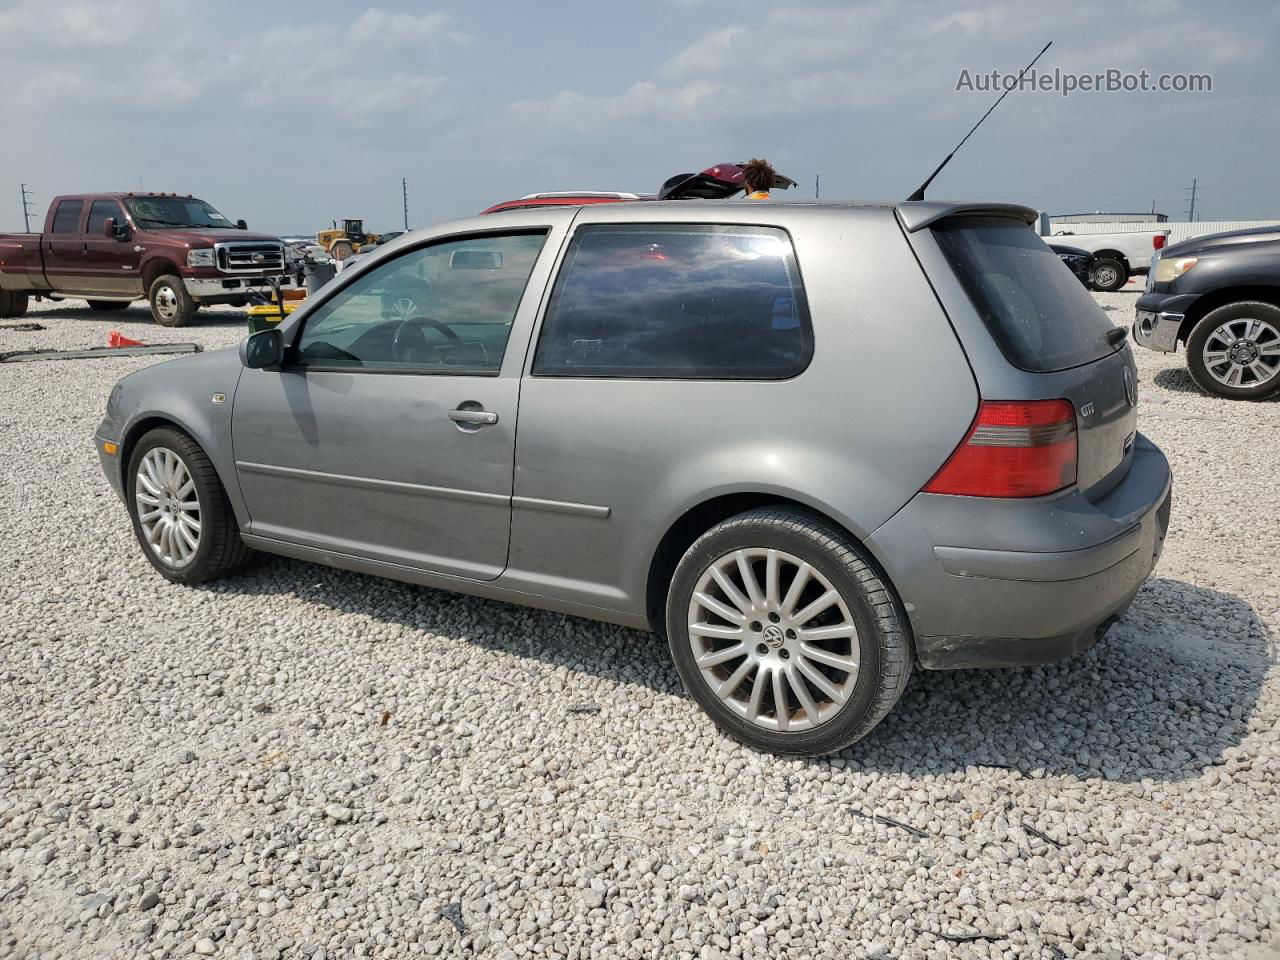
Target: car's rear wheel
(1109, 274)
(107, 306)
(785, 634)
(171, 305)
(1234, 351)
(180, 512)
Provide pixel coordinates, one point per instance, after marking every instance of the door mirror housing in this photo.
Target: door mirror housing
(114, 230)
(241, 225)
(263, 350)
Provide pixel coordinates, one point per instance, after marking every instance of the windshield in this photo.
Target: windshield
(159, 213)
(1038, 312)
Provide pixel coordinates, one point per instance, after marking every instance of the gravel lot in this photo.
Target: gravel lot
(300, 762)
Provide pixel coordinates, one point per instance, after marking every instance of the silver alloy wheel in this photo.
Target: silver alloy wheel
(166, 302)
(168, 506)
(773, 639)
(1243, 352)
(405, 308)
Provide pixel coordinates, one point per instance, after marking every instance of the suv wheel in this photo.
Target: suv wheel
(1234, 351)
(181, 515)
(171, 305)
(12, 304)
(1109, 274)
(784, 633)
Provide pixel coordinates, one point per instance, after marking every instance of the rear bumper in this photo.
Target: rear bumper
(1075, 566)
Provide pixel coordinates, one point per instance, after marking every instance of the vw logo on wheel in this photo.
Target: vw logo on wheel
(1130, 388)
(773, 635)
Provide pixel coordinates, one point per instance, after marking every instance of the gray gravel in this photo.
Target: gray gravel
(300, 762)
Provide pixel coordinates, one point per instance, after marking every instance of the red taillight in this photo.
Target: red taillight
(1014, 449)
(1158, 241)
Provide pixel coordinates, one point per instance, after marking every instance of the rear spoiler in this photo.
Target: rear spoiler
(918, 214)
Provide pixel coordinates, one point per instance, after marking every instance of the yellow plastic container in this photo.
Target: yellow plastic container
(264, 316)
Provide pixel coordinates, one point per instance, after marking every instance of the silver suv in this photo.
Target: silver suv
(813, 446)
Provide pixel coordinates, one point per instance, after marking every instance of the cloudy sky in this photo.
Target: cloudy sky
(291, 114)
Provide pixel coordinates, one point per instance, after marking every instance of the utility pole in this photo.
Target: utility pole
(26, 208)
(817, 182)
(404, 195)
(1191, 211)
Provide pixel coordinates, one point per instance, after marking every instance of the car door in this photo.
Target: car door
(64, 249)
(389, 432)
(111, 263)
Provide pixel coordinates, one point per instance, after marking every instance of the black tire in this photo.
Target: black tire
(883, 644)
(219, 549)
(1198, 366)
(171, 305)
(1108, 274)
(12, 304)
(107, 306)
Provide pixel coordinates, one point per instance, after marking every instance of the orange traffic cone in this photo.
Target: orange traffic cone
(118, 339)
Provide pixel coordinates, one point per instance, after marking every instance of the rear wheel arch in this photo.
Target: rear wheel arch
(701, 517)
(1112, 255)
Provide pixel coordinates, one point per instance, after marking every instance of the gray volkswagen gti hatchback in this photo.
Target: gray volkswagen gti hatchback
(812, 445)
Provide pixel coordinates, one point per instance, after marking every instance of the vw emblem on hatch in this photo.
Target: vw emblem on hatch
(1130, 388)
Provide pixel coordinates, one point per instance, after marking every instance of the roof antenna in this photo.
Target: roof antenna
(919, 194)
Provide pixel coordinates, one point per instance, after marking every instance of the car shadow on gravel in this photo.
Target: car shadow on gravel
(1161, 696)
(1178, 380)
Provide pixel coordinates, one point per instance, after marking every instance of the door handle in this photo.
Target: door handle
(479, 418)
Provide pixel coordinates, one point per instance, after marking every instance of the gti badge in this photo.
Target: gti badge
(1086, 411)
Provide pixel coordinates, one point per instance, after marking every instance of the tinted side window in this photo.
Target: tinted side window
(677, 301)
(100, 213)
(67, 217)
(446, 308)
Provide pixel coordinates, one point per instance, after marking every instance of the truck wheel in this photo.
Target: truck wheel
(1109, 274)
(106, 306)
(342, 249)
(12, 304)
(1234, 351)
(171, 305)
(785, 634)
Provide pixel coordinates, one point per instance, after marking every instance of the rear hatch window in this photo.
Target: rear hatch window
(1038, 312)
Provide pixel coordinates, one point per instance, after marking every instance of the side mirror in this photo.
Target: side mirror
(114, 230)
(262, 351)
(241, 225)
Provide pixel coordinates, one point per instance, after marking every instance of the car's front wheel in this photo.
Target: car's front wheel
(171, 305)
(785, 634)
(1109, 274)
(180, 512)
(1234, 351)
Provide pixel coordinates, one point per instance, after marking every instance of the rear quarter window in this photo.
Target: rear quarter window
(1039, 314)
(67, 217)
(677, 301)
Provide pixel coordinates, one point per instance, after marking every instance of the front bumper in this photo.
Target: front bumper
(228, 288)
(1158, 320)
(1036, 580)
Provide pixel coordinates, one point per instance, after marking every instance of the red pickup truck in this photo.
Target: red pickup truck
(114, 248)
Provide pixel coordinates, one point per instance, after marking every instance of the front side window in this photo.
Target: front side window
(446, 308)
(100, 213)
(677, 301)
(67, 217)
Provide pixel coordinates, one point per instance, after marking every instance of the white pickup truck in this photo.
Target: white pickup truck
(1116, 256)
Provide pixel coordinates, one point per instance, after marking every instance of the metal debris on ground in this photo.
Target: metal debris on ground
(888, 822)
(584, 708)
(24, 327)
(1043, 836)
(965, 937)
(89, 353)
(453, 913)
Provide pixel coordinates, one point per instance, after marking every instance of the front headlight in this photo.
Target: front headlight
(1168, 270)
(200, 258)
